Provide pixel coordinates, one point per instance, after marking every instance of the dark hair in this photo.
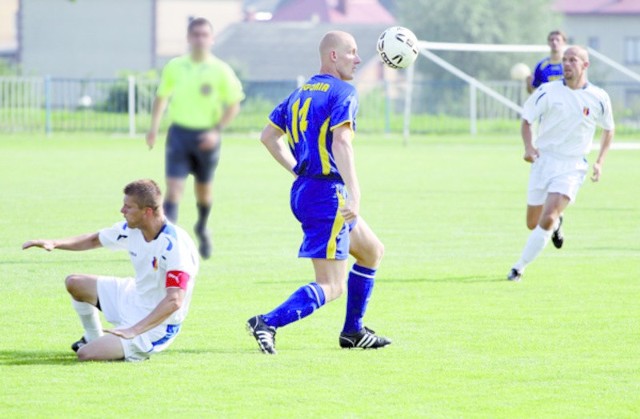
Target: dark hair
(146, 193)
(558, 32)
(199, 21)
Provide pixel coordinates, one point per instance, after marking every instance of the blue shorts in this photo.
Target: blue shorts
(184, 157)
(316, 203)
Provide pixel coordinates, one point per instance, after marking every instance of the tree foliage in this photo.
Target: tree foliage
(479, 21)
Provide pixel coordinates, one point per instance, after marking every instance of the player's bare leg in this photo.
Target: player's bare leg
(534, 212)
(175, 190)
(84, 298)
(368, 250)
(533, 215)
(330, 274)
(105, 348)
(204, 199)
(365, 246)
(552, 210)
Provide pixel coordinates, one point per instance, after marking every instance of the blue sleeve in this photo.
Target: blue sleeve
(278, 116)
(345, 108)
(537, 77)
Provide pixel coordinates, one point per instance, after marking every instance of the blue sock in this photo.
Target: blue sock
(299, 305)
(359, 288)
(170, 211)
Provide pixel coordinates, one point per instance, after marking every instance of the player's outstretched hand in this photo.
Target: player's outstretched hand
(151, 139)
(531, 154)
(47, 245)
(350, 210)
(122, 333)
(597, 171)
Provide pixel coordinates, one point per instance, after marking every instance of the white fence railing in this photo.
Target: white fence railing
(32, 104)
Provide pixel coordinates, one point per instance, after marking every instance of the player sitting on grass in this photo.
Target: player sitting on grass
(319, 120)
(147, 310)
(568, 111)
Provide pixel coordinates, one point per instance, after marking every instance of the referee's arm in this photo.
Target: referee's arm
(159, 106)
(230, 112)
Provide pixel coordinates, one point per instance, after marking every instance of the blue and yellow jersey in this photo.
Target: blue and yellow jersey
(546, 71)
(308, 117)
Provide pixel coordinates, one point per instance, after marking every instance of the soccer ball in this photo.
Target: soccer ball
(520, 71)
(398, 47)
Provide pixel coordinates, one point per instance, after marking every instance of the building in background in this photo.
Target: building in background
(86, 38)
(365, 12)
(103, 38)
(9, 30)
(172, 17)
(284, 48)
(613, 28)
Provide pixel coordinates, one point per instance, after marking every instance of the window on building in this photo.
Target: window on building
(594, 43)
(632, 50)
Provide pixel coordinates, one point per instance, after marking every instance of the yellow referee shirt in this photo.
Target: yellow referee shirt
(199, 91)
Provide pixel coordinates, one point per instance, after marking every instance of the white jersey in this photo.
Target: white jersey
(171, 250)
(568, 118)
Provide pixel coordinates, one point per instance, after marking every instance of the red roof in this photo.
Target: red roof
(598, 7)
(335, 11)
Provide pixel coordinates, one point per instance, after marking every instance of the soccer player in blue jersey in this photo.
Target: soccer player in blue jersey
(550, 68)
(318, 120)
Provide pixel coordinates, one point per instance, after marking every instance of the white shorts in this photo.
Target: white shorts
(552, 174)
(117, 302)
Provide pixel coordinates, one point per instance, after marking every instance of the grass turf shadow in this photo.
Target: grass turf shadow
(18, 357)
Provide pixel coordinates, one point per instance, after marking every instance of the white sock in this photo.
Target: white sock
(89, 318)
(537, 241)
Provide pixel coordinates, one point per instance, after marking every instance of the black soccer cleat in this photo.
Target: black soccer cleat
(204, 239)
(514, 275)
(557, 237)
(365, 339)
(264, 334)
(79, 344)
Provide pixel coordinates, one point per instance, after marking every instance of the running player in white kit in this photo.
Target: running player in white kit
(568, 111)
(147, 310)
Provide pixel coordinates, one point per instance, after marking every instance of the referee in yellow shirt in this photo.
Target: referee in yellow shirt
(205, 97)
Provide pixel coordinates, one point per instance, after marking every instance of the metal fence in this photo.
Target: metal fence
(31, 104)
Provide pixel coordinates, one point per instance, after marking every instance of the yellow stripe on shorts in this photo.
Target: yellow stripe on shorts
(338, 223)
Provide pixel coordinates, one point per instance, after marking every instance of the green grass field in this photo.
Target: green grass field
(565, 342)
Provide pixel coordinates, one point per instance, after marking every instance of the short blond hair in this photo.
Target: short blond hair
(146, 193)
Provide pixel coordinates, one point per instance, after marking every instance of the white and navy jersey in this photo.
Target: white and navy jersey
(169, 260)
(568, 118)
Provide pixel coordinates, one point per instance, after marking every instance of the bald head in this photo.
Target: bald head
(339, 54)
(335, 40)
(578, 51)
(575, 63)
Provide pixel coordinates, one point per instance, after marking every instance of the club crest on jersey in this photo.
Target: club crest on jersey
(154, 263)
(205, 89)
(585, 111)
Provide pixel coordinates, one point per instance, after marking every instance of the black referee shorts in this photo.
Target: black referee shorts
(183, 155)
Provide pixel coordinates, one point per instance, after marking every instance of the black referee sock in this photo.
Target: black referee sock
(171, 211)
(203, 215)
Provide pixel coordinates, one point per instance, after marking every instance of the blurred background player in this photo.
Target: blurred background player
(568, 111)
(148, 309)
(550, 68)
(319, 120)
(205, 97)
